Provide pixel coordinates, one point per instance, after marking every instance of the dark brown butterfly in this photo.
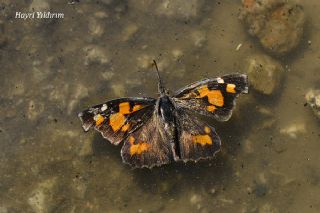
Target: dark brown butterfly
(158, 131)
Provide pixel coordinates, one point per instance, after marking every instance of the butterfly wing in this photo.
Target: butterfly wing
(213, 97)
(117, 118)
(149, 146)
(197, 140)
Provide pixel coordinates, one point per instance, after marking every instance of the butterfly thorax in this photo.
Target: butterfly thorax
(167, 112)
(166, 109)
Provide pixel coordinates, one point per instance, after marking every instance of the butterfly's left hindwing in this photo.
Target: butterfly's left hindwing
(213, 97)
(117, 118)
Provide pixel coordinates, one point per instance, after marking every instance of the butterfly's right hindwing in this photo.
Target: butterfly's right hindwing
(197, 140)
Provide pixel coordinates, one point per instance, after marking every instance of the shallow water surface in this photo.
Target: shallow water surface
(53, 68)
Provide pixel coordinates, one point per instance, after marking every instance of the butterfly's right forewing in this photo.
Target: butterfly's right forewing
(213, 97)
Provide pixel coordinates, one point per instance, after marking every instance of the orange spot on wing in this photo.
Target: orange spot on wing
(98, 119)
(137, 107)
(203, 91)
(211, 108)
(207, 129)
(215, 97)
(231, 88)
(138, 148)
(202, 139)
(124, 108)
(125, 127)
(131, 140)
(116, 121)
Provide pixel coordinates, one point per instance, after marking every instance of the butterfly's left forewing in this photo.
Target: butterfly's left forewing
(117, 118)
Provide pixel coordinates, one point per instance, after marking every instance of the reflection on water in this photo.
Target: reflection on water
(53, 68)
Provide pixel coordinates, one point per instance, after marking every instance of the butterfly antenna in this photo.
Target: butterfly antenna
(160, 85)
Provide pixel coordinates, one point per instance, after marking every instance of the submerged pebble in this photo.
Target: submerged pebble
(195, 199)
(3, 209)
(213, 191)
(278, 24)
(144, 61)
(79, 91)
(95, 54)
(107, 2)
(268, 208)
(248, 146)
(313, 100)
(267, 116)
(39, 5)
(260, 190)
(40, 70)
(118, 90)
(95, 27)
(293, 130)
(128, 31)
(41, 198)
(199, 38)
(86, 148)
(107, 75)
(179, 9)
(34, 109)
(177, 54)
(79, 186)
(264, 73)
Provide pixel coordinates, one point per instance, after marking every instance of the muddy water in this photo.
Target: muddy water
(53, 68)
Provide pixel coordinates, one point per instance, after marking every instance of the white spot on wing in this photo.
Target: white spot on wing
(220, 80)
(95, 118)
(104, 107)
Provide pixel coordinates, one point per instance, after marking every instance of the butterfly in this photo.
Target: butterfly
(159, 131)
